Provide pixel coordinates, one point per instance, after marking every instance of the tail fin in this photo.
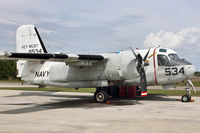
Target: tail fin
(28, 40)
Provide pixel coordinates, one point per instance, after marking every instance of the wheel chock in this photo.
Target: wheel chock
(192, 100)
(108, 102)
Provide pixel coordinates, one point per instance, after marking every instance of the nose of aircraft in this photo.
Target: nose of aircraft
(190, 70)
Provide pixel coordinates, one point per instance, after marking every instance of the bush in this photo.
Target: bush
(197, 74)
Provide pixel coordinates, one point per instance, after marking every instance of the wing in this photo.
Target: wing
(49, 57)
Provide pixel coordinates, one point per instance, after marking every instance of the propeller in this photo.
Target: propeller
(191, 84)
(141, 63)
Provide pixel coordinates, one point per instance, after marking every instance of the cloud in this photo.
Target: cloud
(186, 42)
(185, 38)
(46, 31)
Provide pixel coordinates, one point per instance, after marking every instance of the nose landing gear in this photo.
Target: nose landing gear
(187, 97)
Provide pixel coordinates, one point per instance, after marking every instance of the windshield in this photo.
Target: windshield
(171, 60)
(173, 57)
(163, 60)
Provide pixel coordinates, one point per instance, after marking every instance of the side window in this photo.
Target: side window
(163, 60)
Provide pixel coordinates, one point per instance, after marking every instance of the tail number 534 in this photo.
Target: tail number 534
(173, 71)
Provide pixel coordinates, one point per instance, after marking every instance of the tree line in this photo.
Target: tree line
(197, 74)
(8, 70)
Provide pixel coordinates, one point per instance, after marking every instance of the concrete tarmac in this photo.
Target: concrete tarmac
(64, 112)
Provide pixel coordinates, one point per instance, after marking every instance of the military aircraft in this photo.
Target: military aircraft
(103, 71)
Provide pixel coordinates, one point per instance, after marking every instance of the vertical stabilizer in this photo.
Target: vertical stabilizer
(28, 40)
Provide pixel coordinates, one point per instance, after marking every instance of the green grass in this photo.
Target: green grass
(10, 81)
(92, 90)
(195, 83)
(171, 92)
(195, 80)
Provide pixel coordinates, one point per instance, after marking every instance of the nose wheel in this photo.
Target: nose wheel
(187, 97)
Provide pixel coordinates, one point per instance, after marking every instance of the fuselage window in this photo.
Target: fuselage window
(163, 60)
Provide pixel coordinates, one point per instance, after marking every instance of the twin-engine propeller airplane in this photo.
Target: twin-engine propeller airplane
(105, 72)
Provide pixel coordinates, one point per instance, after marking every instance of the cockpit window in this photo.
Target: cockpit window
(163, 50)
(163, 60)
(173, 57)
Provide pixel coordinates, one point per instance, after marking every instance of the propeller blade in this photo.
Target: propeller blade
(143, 83)
(145, 57)
(139, 60)
(138, 57)
(191, 84)
(141, 71)
(133, 52)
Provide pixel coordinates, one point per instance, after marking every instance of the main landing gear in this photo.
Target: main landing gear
(103, 94)
(41, 86)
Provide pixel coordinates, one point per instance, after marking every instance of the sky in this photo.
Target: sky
(96, 26)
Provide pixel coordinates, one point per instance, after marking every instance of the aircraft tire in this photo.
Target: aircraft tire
(101, 96)
(186, 98)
